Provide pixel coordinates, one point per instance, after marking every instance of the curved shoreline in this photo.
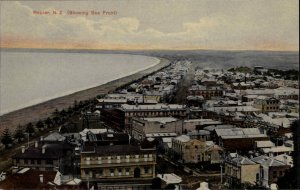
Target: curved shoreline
(43, 110)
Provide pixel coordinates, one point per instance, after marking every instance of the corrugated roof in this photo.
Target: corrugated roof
(267, 161)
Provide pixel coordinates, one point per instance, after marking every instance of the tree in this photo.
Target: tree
(29, 128)
(6, 138)
(19, 134)
(40, 125)
(49, 122)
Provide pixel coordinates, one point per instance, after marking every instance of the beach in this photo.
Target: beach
(45, 109)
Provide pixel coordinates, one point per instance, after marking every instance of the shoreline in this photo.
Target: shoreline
(45, 109)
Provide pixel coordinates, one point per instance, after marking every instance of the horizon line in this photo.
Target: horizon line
(122, 49)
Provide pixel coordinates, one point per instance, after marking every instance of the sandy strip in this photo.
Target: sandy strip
(45, 109)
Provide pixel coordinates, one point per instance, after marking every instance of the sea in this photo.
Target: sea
(28, 78)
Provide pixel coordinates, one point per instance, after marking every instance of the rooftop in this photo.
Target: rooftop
(127, 107)
(170, 178)
(183, 138)
(267, 161)
(162, 120)
(114, 150)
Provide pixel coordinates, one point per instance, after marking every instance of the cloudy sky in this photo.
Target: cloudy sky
(155, 24)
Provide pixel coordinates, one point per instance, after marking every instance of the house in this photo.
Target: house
(45, 156)
(267, 104)
(118, 166)
(241, 169)
(270, 169)
(194, 151)
(26, 178)
(55, 136)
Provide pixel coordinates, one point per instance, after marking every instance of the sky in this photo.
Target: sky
(142, 24)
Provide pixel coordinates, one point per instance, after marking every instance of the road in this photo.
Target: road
(182, 92)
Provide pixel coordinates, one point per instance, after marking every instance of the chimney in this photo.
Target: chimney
(23, 149)
(41, 178)
(2, 176)
(285, 159)
(43, 149)
(42, 138)
(36, 144)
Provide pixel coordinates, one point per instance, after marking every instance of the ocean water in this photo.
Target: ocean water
(29, 78)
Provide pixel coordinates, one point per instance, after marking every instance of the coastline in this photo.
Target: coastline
(45, 109)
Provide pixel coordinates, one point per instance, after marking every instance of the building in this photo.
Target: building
(170, 179)
(122, 117)
(241, 169)
(45, 156)
(107, 138)
(194, 151)
(270, 169)
(234, 139)
(206, 92)
(258, 145)
(202, 135)
(277, 150)
(266, 104)
(118, 166)
(141, 127)
(192, 124)
(26, 178)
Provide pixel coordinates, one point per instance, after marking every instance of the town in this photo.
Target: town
(182, 127)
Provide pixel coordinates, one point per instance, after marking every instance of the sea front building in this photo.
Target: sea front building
(122, 117)
(118, 166)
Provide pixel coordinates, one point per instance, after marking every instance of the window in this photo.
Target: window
(38, 161)
(31, 161)
(120, 171)
(50, 162)
(100, 172)
(127, 171)
(146, 170)
(112, 172)
(280, 173)
(274, 173)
